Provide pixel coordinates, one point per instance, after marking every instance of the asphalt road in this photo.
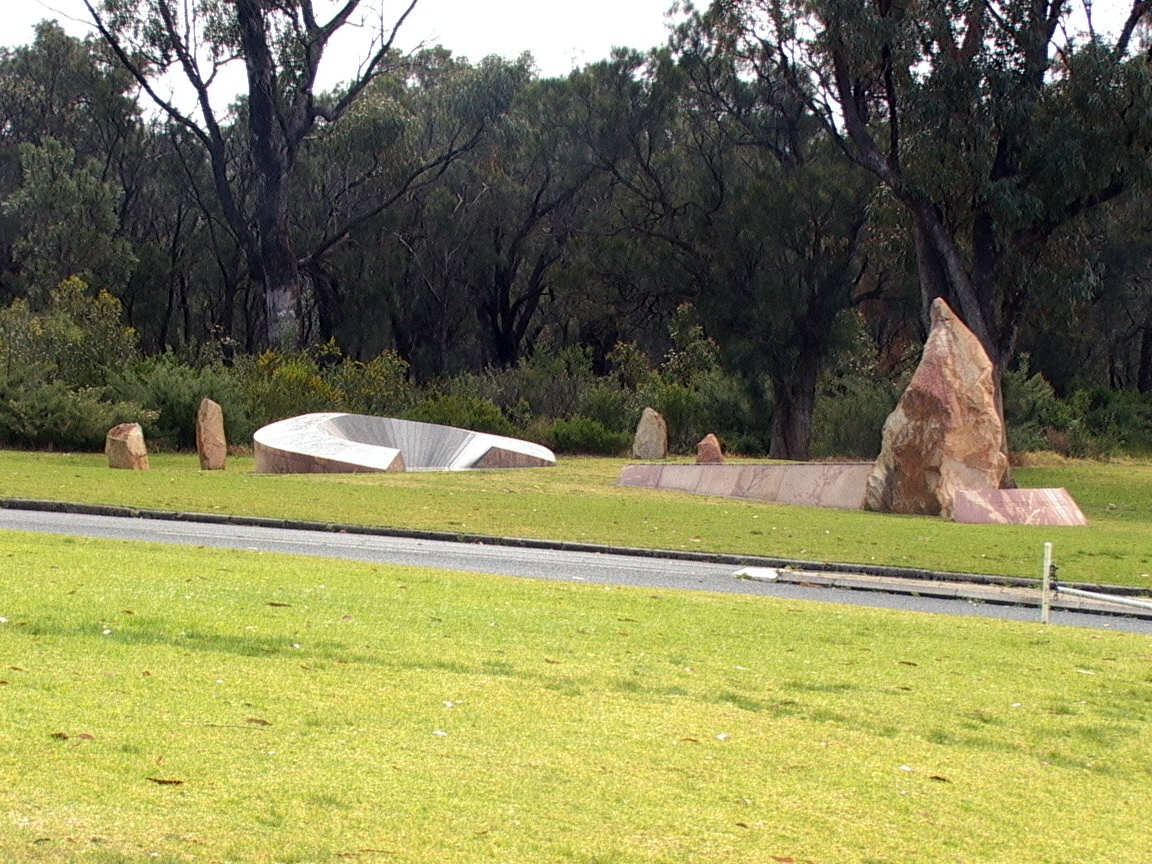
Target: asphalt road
(648, 570)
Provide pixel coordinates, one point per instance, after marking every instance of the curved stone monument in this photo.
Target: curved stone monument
(354, 443)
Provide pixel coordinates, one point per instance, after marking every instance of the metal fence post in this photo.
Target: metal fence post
(1046, 581)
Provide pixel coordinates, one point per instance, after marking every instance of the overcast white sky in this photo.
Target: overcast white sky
(561, 34)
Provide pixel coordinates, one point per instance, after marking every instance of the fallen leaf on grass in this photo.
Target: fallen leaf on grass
(907, 663)
(276, 603)
(259, 721)
(62, 736)
(939, 779)
(162, 781)
(690, 740)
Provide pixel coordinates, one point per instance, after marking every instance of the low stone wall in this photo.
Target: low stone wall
(814, 484)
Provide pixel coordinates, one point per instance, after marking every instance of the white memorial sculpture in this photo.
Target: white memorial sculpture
(347, 443)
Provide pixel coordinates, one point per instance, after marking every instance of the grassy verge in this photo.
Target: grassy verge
(227, 706)
(579, 500)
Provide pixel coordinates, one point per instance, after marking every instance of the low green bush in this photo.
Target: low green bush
(1107, 422)
(278, 385)
(37, 413)
(584, 436)
(174, 390)
(849, 417)
(465, 412)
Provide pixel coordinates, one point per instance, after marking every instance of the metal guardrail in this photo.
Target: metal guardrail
(1109, 598)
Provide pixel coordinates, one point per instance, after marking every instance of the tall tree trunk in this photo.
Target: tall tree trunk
(794, 401)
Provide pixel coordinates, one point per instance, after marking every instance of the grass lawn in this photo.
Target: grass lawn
(224, 706)
(579, 500)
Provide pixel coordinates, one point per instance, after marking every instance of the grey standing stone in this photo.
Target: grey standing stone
(651, 441)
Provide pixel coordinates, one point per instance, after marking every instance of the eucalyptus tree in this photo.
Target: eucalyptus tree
(282, 46)
(726, 186)
(71, 149)
(992, 124)
(366, 181)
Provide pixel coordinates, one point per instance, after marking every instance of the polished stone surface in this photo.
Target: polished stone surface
(1017, 507)
(814, 484)
(355, 443)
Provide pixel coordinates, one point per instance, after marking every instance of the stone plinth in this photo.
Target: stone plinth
(354, 443)
(1017, 507)
(211, 443)
(124, 446)
(814, 484)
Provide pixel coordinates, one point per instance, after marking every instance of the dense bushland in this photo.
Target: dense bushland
(72, 370)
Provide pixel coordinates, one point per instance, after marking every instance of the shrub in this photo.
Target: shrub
(39, 413)
(277, 385)
(1108, 421)
(465, 412)
(174, 390)
(586, 436)
(546, 385)
(849, 416)
(1035, 417)
(379, 387)
(77, 340)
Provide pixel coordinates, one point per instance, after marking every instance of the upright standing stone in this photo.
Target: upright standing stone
(708, 451)
(945, 434)
(211, 444)
(124, 447)
(651, 441)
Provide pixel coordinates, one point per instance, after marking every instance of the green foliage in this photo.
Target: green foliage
(1109, 422)
(465, 412)
(545, 385)
(55, 367)
(854, 398)
(697, 396)
(583, 435)
(849, 416)
(613, 406)
(277, 385)
(173, 391)
(78, 339)
(69, 220)
(284, 385)
(379, 387)
(35, 412)
(1035, 416)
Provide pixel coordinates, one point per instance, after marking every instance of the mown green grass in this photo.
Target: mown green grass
(294, 708)
(579, 500)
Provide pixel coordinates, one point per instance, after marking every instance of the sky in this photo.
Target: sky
(561, 34)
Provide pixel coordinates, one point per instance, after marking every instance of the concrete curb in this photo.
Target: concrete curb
(977, 587)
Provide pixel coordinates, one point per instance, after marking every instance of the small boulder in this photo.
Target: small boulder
(945, 434)
(651, 441)
(211, 444)
(124, 447)
(708, 451)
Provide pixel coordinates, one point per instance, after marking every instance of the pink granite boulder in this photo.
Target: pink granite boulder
(124, 447)
(708, 451)
(945, 433)
(211, 444)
